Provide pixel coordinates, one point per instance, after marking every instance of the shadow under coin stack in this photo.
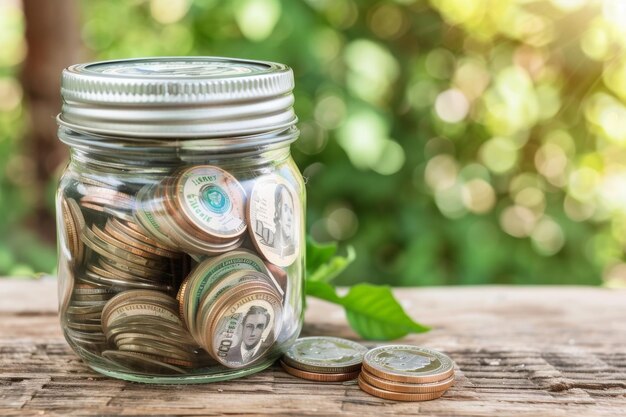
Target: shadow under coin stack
(324, 359)
(406, 373)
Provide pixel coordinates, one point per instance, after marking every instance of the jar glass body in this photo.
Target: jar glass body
(162, 245)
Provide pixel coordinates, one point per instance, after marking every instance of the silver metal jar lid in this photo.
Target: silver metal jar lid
(177, 97)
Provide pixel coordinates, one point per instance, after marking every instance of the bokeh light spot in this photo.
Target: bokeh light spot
(518, 221)
(256, 18)
(10, 94)
(547, 237)
(168, 11)
(499, 154)
(391, 158)
(387, 21)
(441, 172)
(583, 183)
(450, 201)
(373, 70)
(451, 106)
(478, 196)
(577, 210)
(330, 111)
(344, 223)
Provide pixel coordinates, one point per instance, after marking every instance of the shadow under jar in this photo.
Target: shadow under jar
(180, 217)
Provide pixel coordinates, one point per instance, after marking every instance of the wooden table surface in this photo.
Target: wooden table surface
(519, 351)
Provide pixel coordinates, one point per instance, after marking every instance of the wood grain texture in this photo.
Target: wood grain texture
(519, 351)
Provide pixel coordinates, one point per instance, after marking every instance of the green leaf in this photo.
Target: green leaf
(372, 311)
(335, 266)
(375, 314)
(318, 254)
(322, 290)
(322, 264)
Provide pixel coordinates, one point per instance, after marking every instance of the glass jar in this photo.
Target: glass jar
(180, 217)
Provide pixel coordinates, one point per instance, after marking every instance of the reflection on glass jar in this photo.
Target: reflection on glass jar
(180, 218)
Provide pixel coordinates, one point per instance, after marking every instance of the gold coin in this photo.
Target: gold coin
(408, 388)
(274, 219)
(397, 396)
(407, 363)
(312, 376)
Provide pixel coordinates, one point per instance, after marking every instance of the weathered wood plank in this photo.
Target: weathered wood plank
(519, 352)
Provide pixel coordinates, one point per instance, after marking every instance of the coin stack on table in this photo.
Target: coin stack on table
(162, 278)
(394, 372)
(406, 373)
(324, 359)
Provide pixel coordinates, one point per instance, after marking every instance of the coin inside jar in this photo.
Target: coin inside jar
(273, 211)
(209, 272)
(212, 200)
(147, 323)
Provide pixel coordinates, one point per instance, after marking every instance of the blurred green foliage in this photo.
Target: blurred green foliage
(450, 142)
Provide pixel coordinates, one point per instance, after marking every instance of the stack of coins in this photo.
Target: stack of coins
(110, 254)
(101, 198)
(406, 373)
(83, 315)
(147, 332)
(199, 209)
(73, 222)
(324, 359)
(127, 259)
(216, 299)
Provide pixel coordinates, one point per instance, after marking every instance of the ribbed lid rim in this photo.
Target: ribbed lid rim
(177, 96)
